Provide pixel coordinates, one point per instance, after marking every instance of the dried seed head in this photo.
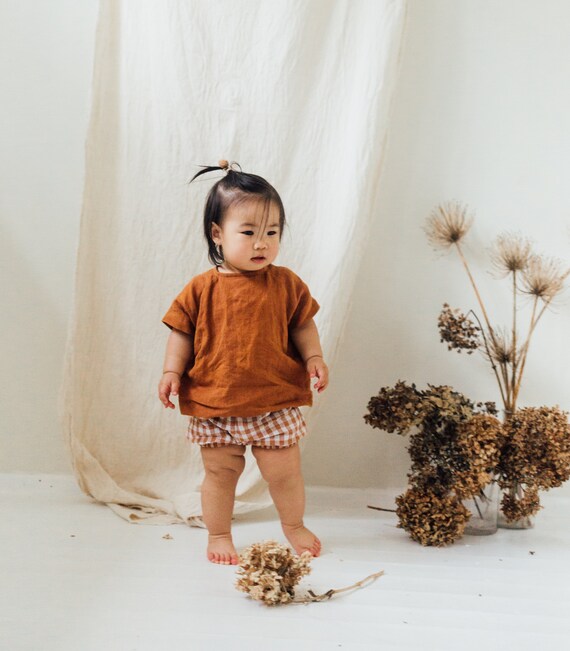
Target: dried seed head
(458, 330)
(447, 224)
(510, 253)
(501, 347)
(269, 572)
(543, 277)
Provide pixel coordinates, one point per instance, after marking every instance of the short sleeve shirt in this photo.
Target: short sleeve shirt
(245, 362)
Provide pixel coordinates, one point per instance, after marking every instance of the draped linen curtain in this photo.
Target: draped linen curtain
(298, 92)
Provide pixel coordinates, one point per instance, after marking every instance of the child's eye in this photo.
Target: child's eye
(273, 232)
(247, 232)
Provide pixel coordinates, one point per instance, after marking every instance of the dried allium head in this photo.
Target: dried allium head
(447, 224)
(457, 330)
(501, 347)
(543, 277)
(269, 572)
(510, 253)
(430, 519)
(396, 409)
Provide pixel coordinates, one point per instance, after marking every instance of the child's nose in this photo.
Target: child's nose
(260, 244)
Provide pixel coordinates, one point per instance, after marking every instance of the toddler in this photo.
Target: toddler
(241, 353)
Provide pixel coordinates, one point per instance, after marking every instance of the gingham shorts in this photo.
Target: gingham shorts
(274, 429)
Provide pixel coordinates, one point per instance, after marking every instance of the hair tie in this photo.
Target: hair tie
(229, 167)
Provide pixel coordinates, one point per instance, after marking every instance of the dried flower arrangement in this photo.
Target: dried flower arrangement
(268, 572)
(460, 448)
(454, 450)
(531, 436)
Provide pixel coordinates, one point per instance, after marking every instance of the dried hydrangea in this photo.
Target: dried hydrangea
(458, 457)
(447, 224)
(521, 503)
(268, 572)
(395, 409)
(478, 449)
(536, 456)
(454, 452)
(442, 405)
(431, 519)
(458, 330)
(402, 407)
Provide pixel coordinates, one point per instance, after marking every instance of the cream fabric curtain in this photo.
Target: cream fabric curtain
(298, 92)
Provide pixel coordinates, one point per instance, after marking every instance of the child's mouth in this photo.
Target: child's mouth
(259, 259)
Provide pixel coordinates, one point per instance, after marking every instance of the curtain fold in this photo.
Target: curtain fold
(298, 92)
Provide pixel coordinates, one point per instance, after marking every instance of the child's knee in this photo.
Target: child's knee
(278, 465)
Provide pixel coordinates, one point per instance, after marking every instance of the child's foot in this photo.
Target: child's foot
(302, 539)
(221, 549)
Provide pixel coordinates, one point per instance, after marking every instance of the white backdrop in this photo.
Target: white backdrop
(480, 114)
(297, 92)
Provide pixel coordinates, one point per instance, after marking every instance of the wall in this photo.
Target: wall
(46, 68)
(479, 116)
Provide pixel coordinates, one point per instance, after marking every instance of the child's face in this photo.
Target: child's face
(249, 236)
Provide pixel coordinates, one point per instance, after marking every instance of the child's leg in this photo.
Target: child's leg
(281, 469)
(223, 467)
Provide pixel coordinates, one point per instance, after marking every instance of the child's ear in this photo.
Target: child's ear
(216, 230)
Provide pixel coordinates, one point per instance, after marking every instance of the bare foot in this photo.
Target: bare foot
(302, 539)
(221, 549)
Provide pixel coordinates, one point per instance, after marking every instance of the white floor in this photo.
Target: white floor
(77, 577)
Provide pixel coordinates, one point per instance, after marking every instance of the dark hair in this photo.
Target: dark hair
(234, 187)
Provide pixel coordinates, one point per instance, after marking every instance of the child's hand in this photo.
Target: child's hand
(169, 383)
(317, 368)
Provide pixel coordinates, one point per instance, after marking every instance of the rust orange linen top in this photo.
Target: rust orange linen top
(245, 363)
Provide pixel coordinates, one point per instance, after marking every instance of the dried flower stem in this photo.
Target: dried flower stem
(330, 594)
(377, 508)
(485, 316)
(524, 351)
(511, 406)
(491, 360)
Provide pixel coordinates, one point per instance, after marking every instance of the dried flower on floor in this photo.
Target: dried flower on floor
(543, 277)
(269, 572)
(447, 224)
(431, 519)
(510, 253)
(536, 456)
(458, 330)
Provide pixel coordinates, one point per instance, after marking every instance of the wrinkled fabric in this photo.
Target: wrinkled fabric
(298, 92)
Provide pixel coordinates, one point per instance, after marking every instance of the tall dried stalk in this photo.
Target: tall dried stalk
(542, 278)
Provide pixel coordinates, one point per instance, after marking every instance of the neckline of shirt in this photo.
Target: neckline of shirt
(237, 274)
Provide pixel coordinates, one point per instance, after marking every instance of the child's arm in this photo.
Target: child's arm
(179, 351)
(307, 342)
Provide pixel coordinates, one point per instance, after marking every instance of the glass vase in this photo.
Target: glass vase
(484, 509)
